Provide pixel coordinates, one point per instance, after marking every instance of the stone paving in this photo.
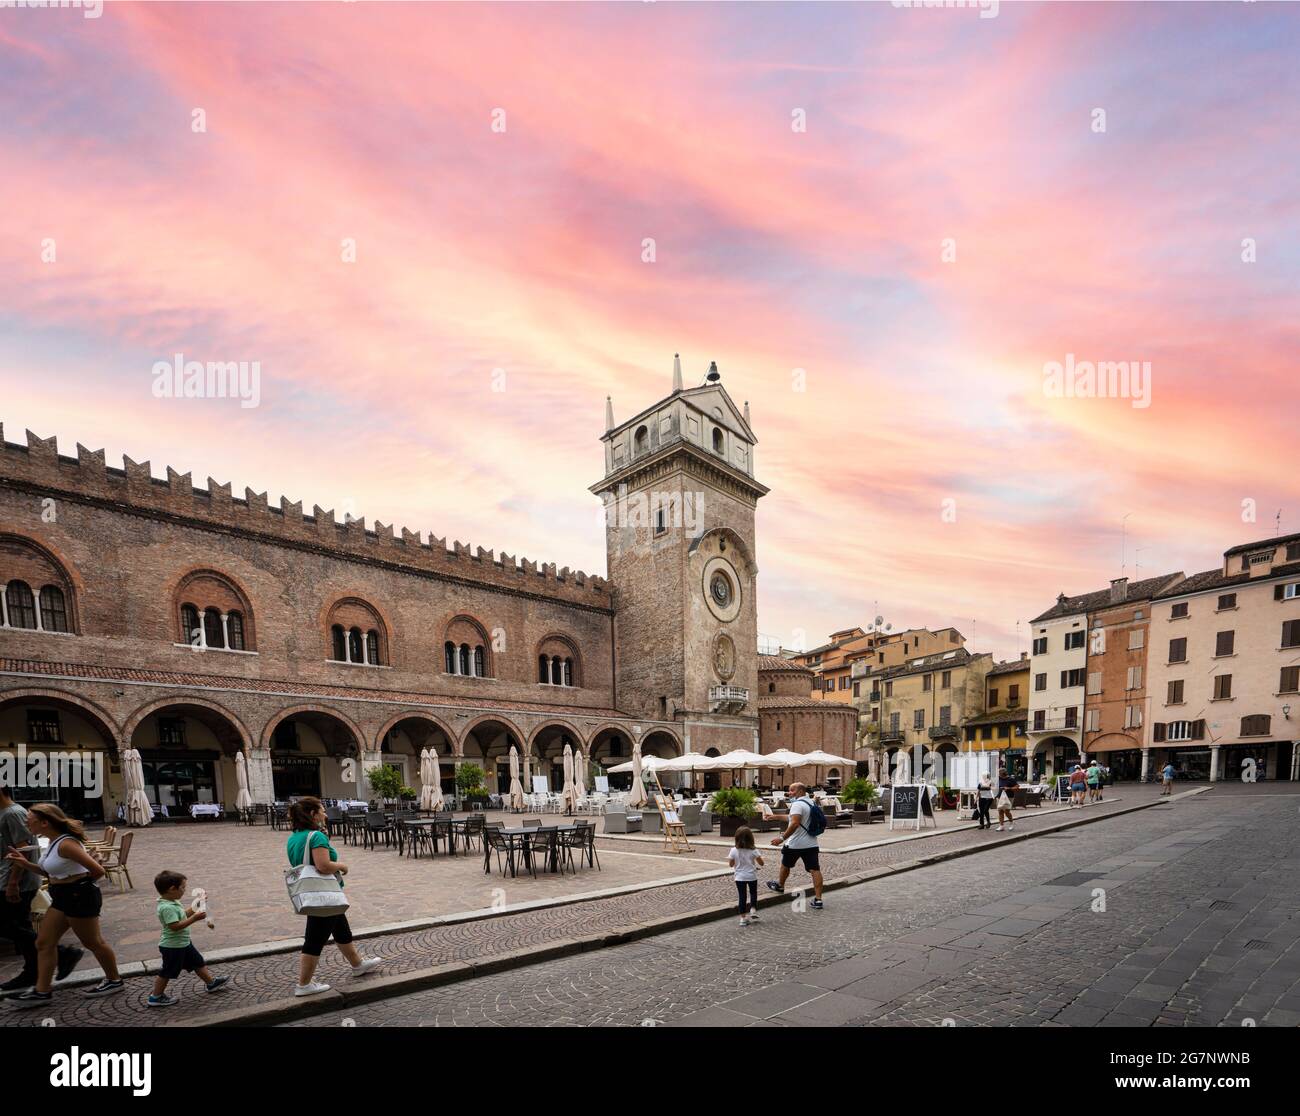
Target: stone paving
(270, 977)
(1200, 927)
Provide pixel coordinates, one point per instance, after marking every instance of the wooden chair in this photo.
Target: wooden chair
(115, 862)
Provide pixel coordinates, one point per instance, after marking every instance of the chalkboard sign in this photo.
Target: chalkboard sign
(909, 803)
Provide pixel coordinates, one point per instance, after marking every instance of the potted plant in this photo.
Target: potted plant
(733, 806)
(861, 794)
(469, 784)
(385, 782)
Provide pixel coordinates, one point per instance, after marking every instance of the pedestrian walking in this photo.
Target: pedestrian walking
(1094, 781)
(1006, 795)
(19, 890)
(307, 816)
(178, 952)
(75, 902)
(1167, 778)
(745, 862)
(1078, 785)
(804, 823)
(984, 800)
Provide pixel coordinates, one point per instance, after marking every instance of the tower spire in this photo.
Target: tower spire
(747, 423)
(677, 371)
(609, 414)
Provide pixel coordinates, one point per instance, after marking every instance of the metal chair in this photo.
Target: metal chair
(377, 826)
(495, 841)
(531, 823)
(540, 841)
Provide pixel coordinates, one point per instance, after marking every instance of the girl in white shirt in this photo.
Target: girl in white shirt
(745, 862)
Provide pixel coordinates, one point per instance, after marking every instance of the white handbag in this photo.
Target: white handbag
(312, 892)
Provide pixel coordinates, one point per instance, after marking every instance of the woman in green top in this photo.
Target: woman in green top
(308, 818)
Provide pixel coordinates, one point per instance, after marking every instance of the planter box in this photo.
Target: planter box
(727, 826)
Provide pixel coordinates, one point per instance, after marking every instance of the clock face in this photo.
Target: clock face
(720, 587)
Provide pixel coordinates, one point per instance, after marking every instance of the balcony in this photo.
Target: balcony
(944, 732)
(727, 699)
(892, 736)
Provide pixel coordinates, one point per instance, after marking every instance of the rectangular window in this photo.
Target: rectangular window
(946, 683)
(993, 698)
(945, 715)
(1040, 681)
(43, 727)
(1227, 600)
(1072, 717)
(1136, 639)
(1092, 721)
(1074, 640)
(1258, 724)
(1222, 687)
(1013, 696)
(1094, 682)
(1040, 645)
(1134, 678)
(1175, 693)
(1286, 592)
(857, 689)
(171, 733)
(1099, 641)
(1178, 650)
(661, 521)
(1132, 716)
(927, 683)
(1290, 680)
(1040, 720)
(1223, 644)
(889, 689)
(1291, 633)
(1179, 610)
(1072, 677)
(1293, 552)
(893, 722)
(918, 719)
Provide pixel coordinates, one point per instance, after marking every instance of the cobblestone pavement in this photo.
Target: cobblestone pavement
(257, 980)
(1200, 926)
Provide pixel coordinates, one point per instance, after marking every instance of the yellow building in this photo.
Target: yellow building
(1002, 722)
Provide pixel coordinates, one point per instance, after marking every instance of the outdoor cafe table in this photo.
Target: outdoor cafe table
(514, 832)
(457, 826)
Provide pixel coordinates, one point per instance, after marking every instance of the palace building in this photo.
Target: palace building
(194, 625)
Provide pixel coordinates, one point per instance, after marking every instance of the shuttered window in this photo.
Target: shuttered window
(1224, 643)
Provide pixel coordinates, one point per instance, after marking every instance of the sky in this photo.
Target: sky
(446, 233)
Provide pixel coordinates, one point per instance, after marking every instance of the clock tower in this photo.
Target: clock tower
(680, 494)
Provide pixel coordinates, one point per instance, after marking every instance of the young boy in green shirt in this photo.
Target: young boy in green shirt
(178, 954)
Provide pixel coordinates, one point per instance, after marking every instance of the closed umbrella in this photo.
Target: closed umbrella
(637, 796)
(138, 810)
(146, 810)
(902, 769)
(580, 773)
(426, 784)
(570, 792)
(243, 800)
(516, 790)
(435, 781)
(528, 771)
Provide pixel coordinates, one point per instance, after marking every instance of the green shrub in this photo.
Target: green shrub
(733, 802)
(859, 792)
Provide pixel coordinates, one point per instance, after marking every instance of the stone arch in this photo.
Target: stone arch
(492, 750)
(359, 738)
(348, 610)
(99, 718)
(734, 544)
(669, 741)
(557, 722)
(179, 701)
(559, 645)
(483, 718)
(416, 715)
(464, 629)
(39, 564)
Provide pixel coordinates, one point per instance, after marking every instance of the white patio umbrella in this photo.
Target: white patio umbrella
(243, 800)
(516, 790)
(528, 771)
(826, 759)
(637, 796)
(570, 792)
(580, 773)
(648, 763)
(138, 810)
(426, 784)
(437, 802)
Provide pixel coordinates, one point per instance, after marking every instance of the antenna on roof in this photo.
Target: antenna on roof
(1277, 522)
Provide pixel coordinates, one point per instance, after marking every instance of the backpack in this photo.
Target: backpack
(816, 824)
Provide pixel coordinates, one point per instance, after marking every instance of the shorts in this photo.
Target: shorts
(179, 959)
(82, 899)
(320, 930)
(810, 857)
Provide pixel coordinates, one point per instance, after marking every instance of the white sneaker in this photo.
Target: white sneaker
(313, 989)
(999, 829)
(368, 965)
(753, 917)
(1011, 825)
(744, 922)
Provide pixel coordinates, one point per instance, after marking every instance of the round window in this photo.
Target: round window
(720, 587)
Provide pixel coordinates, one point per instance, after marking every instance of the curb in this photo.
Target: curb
(379, 988)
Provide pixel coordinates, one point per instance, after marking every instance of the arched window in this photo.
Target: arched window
(364, 639)
(717, 440)
(464, 658)
(235, 629)
(449, 656)
(557, 671)
(22, 606)
(467, 642)
(559, 661)
(478, 662)
(771, 687)
(372, 647)
(190, 625)
(355, 649)
(543, 669)
(568, 672)
(212, 632)
(339, 650)
(54, 610)
(641, 440)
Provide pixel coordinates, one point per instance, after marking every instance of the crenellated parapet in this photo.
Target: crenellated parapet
(39, 467)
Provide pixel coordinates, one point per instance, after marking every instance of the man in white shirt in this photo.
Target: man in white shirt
(798, 844)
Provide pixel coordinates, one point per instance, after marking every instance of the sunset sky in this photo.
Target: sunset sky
(775, 250)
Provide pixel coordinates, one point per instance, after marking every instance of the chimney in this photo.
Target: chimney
(1024, 655)
(1119, 590)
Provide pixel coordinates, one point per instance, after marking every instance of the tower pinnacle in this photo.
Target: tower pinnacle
(677, 371)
